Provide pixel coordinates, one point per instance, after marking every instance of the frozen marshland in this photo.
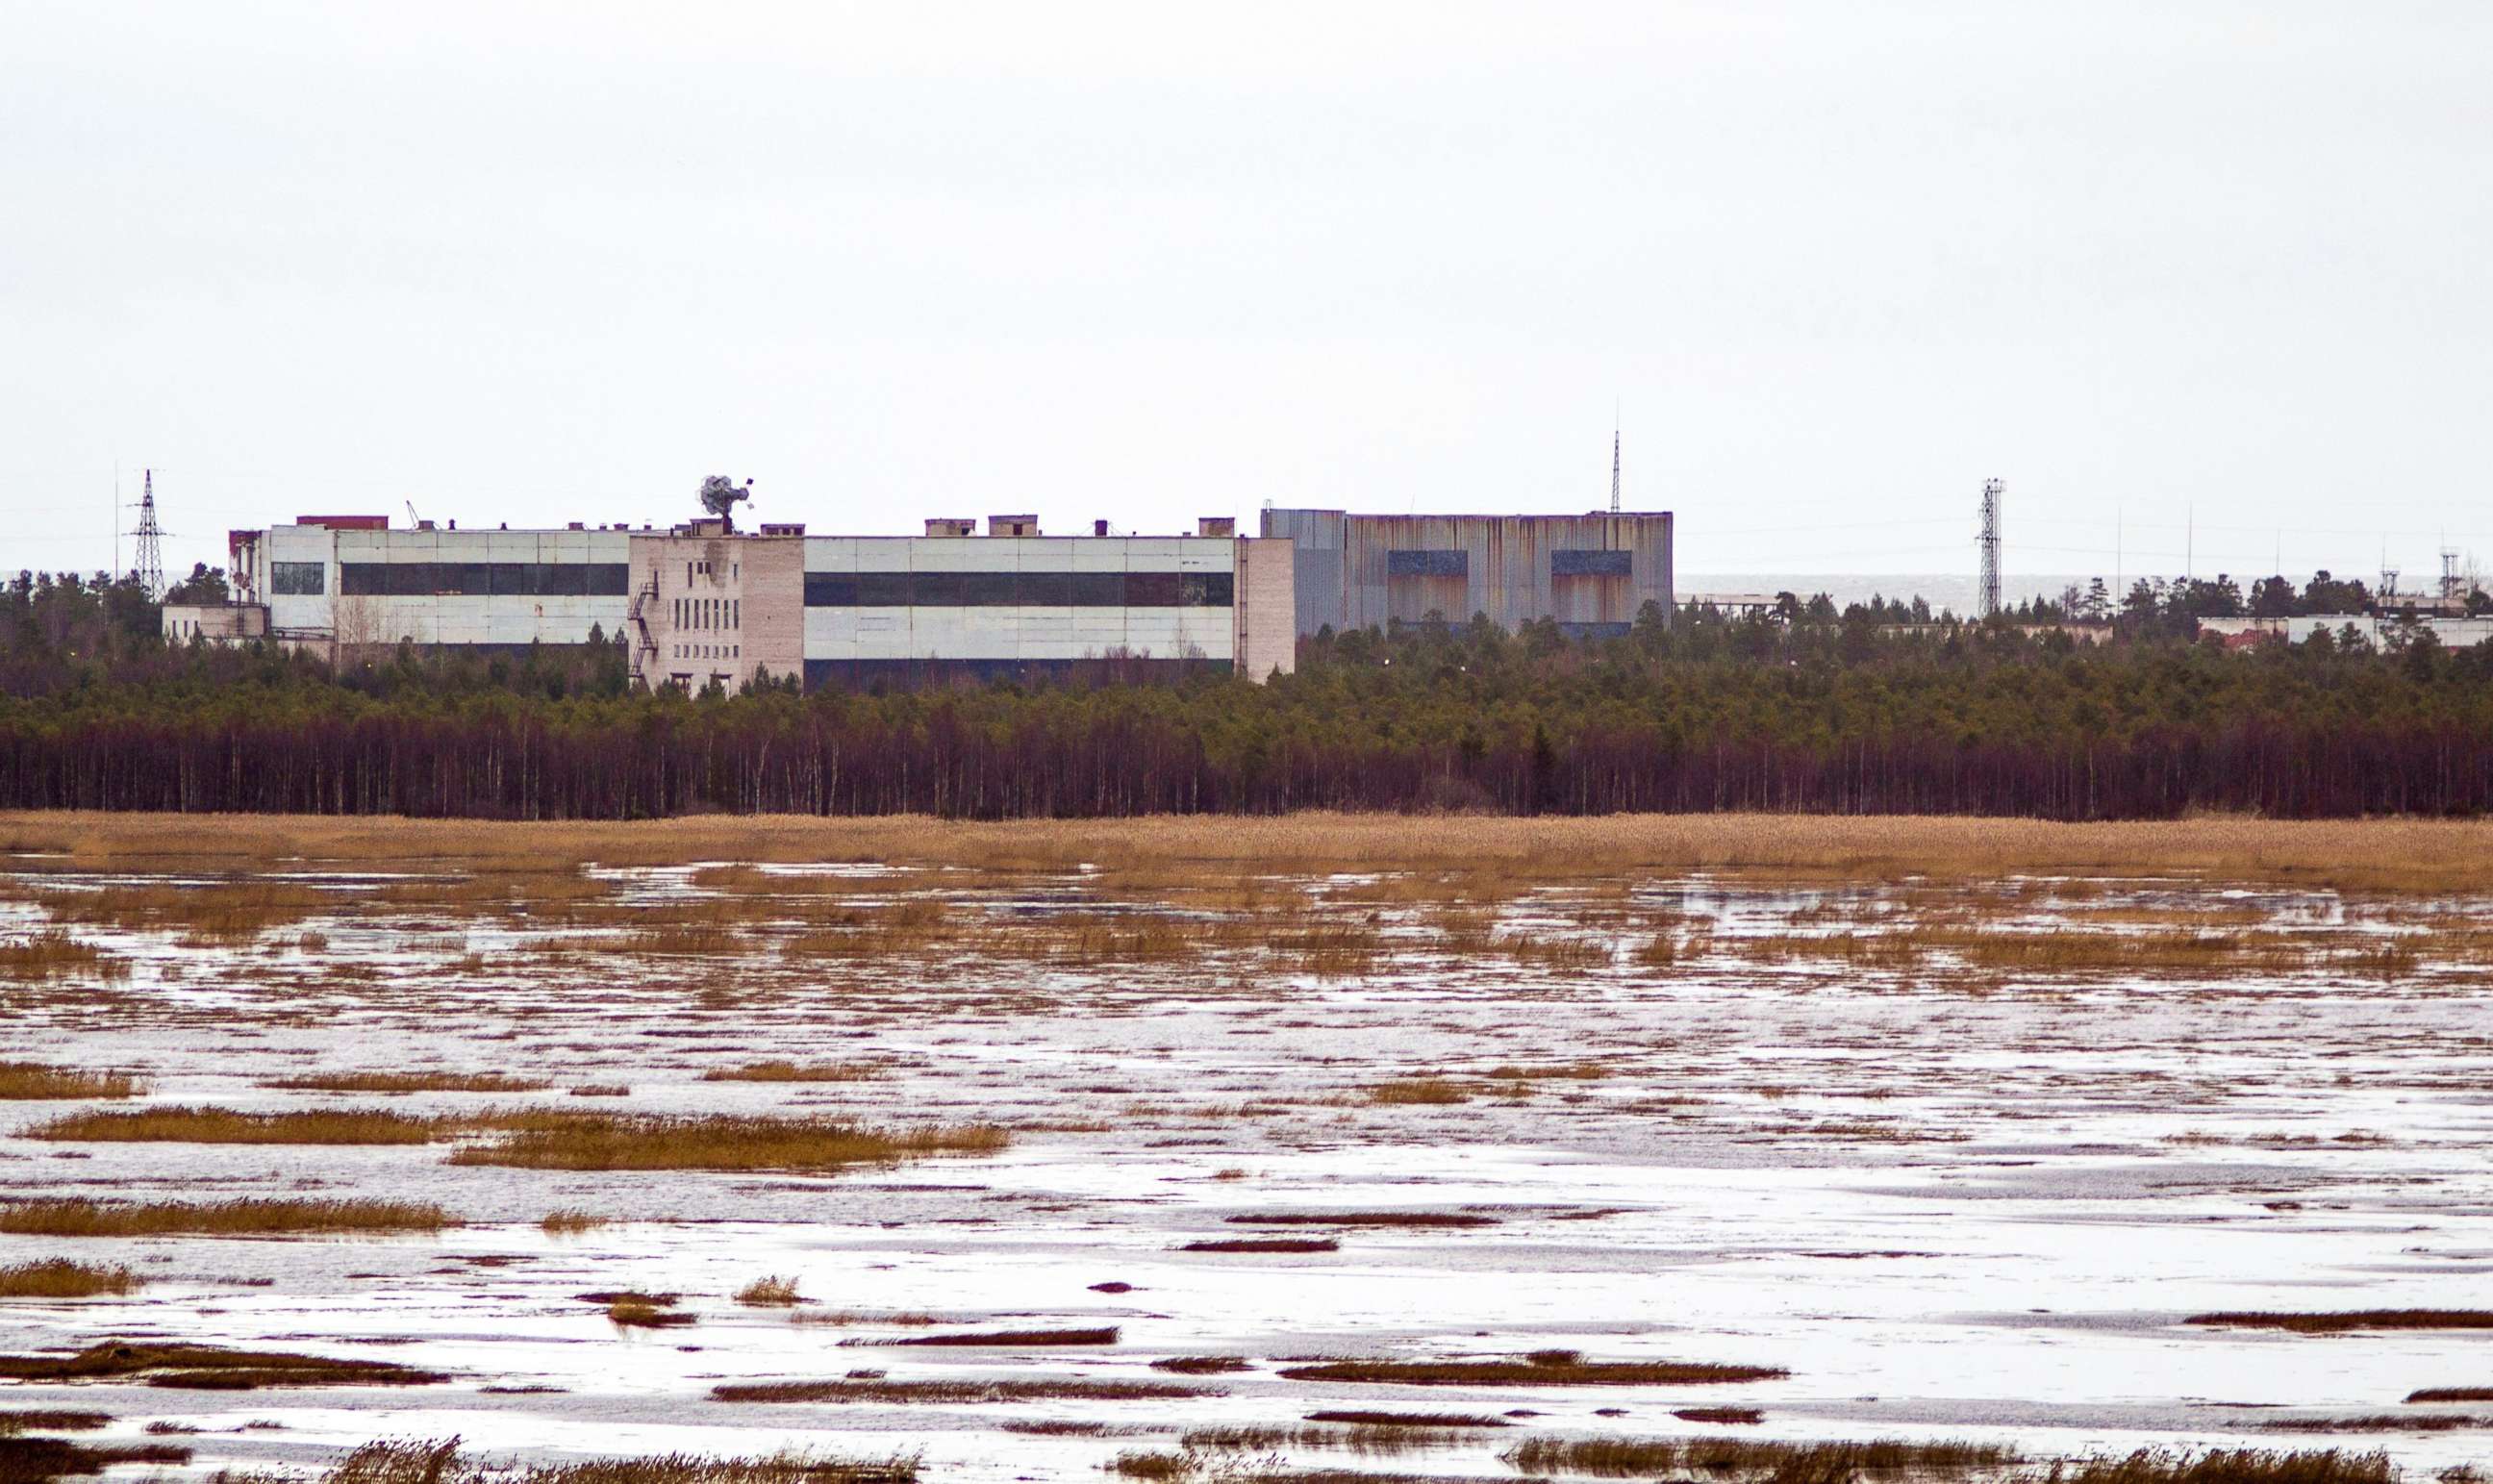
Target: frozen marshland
(1551, 1155)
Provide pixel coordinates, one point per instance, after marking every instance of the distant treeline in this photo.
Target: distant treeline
(1818, 713)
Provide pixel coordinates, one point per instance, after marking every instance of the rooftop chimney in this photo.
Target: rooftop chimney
(1098, 528)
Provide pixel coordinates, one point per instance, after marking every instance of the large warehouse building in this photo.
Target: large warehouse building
(701, 604)
(1592, 573)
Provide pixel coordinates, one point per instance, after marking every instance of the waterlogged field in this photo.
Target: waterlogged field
(1317, 1150)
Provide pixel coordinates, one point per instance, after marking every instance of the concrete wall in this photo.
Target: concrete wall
(710, 609)
(335, 618)
(1266, 615)
(870, 631)
(1358, 572)
(214, 622)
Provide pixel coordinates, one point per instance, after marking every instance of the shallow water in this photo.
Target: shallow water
(1953, 1204)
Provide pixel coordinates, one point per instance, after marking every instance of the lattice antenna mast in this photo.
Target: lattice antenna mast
(1988, 543)
(151, 557)
(1615, 468)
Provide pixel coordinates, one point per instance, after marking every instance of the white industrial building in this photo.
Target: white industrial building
(700, 604)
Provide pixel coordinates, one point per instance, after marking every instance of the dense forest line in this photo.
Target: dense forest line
(1860, 710)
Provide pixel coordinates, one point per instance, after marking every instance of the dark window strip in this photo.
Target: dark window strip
(1020, 590)
(484, 579)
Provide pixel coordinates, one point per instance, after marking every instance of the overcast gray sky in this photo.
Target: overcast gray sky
(2222, 261)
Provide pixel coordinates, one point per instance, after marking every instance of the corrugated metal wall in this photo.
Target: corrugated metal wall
(1356, 571)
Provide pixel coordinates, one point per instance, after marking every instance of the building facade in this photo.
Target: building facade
(700, 604)
(1018, 604)
(1591, 573)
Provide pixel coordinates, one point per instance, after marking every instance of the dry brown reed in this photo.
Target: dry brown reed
(1008, 1339)
(2229, 1466)
(643, 1310)
(226, 1126)
(1830, 1462)
(2373, 854)
(1542, 1368)
(1563, 1071)
(1723, 1416)
(439, 1462)
(204, 913)
(73, 1218)
(55, 955)
(1365, 1219)
(773, 1292)
(797, 1071)
(571, 1221)
(2350, 1320)
(208, 1368)
(953, 1391)
(567, 1140)
(34, 1081)
(1432, 1421)
(52, 1420)
(59, 1278)
(42, 1460)
(1421, 1091)
(408, 1082)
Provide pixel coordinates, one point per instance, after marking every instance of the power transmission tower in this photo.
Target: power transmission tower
(1614, 468)
(1991, 489)
(151, 558)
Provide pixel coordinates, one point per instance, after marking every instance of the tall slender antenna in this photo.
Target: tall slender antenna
(1614, 463)
(1991, 489)
(151, 559)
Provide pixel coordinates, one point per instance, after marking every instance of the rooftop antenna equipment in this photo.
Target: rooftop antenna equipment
(1991, 489)
(151, 557)
(1614, 466)
(719, 495)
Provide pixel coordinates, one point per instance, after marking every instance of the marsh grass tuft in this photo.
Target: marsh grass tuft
(55, 955)
(1421, 1091)
(1365, 1219)
(409, 1081)
(1544, 1368)
(2230, 1465)
(797, 1071)
(565, 1140)
(947, 1392)
(1786, 1462)
(33, 1081)
(1014, 1339)
(226, 1126)
(441, 1463)
(52, 1420)
(208, 1368)
(641, 1311)
(1264, 1244)
(2350, 1320)
(61, 1278)
(1432, 1421)
(571, 1221)
(771, 1293)
(75, 1218)
(41, 1459)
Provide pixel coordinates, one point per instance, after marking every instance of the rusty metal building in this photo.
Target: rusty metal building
(1592, 573)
